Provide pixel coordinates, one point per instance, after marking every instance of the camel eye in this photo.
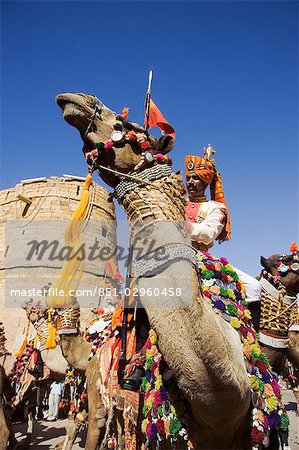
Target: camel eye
(97, 103)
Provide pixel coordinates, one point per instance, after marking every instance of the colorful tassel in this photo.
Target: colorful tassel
(125, 113)
(294, 248)
(51, 343)
(25, 342)
(72, 270)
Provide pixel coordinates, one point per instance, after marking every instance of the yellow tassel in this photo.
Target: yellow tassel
(51, 343)
(72, 270)
(25, 342)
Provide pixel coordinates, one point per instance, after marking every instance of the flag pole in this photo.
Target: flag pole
(147, 99)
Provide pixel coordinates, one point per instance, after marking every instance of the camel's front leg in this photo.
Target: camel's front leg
(97, 415)
(296, 394)
(293, 352)
(11, 437)
(27, 441)
(72, 430)
(97, 419)
(120, 429)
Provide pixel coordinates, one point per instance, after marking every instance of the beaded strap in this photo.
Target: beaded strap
(42, 331)
(277, 308)
(153, 173)
(150, 266)
(68, 321)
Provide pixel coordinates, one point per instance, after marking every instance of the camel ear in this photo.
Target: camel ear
(266, 263)
(165, 144)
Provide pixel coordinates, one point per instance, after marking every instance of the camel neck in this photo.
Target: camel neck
(162, 199)
(276, 283)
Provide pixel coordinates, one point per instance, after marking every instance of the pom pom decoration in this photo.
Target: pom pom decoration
(125, 113)
(108, 145)
(161, 420)
(145, 145)
(228, 297)
(294, 248)
(19, 366)
(131, 136)
(167, 160)
(257, 435)
(119, 136)
(158, 157)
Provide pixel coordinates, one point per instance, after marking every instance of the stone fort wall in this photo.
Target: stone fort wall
(51, 199)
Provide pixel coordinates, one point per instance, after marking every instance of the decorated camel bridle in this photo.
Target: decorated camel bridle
(153, 170)
(43, 325)
(279, 311)
(120, 136)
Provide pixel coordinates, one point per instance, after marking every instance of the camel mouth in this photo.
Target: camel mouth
(78, 111)
(73, 112)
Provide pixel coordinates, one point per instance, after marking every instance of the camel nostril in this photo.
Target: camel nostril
(61, 102)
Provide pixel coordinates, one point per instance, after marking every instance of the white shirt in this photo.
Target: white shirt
(56, 388)
(210, 222)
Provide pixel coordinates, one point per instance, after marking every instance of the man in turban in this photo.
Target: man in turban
(208, 220)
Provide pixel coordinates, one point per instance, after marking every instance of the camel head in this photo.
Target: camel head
(282, 265)
(34, 310)
(122, 151)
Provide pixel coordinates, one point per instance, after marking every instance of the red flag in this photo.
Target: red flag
(156, 118)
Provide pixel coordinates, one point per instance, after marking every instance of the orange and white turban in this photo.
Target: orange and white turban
(206, 170)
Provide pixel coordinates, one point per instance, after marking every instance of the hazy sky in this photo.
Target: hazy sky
(225, 73)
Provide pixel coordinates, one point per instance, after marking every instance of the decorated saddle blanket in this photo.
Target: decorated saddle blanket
(112, 394)
(223, 288)
(164, 416)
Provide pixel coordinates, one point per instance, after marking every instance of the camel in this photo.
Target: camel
(290, 335)
(76, 351)
(72, 350)
(203, 351)
(59, 358)
(52, 358)
(27, 392)
(57, 365)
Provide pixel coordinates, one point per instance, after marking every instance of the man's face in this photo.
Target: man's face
(195, 186)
